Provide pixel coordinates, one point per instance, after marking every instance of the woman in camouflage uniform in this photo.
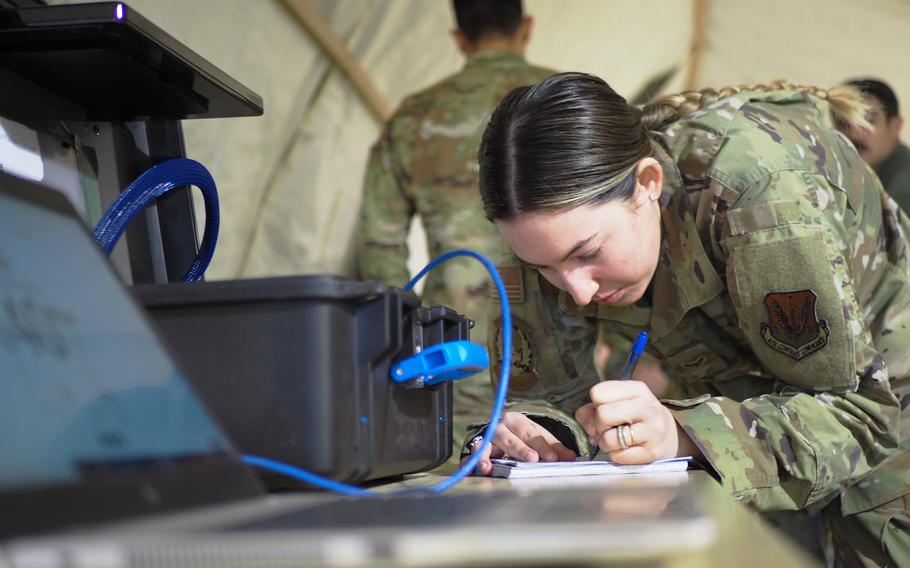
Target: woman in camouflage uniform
(748, 237)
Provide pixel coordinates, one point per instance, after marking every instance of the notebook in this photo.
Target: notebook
(109, 458)
(518, 470)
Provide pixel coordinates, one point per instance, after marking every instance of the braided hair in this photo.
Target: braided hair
(571, 140)
(845, 101)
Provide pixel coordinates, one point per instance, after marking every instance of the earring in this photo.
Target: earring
(653, 196)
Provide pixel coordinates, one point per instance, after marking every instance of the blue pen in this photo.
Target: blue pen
(638, 347)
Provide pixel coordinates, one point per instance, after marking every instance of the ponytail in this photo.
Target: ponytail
(845, 102)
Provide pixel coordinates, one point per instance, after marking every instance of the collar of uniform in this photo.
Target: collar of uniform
(892, 163)
(684, 279)
(493, 56)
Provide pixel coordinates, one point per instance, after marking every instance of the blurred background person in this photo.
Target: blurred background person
(425, 162)
(881, 148)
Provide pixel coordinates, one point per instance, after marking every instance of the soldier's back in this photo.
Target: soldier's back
(436, 135)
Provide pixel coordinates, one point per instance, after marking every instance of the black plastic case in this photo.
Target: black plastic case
(297, 369)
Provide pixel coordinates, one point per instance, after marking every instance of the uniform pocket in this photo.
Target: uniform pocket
(695, 364)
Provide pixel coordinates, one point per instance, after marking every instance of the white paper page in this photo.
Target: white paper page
(516, 469)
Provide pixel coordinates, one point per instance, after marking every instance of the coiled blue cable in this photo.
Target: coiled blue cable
(151, 185)
(498, 404)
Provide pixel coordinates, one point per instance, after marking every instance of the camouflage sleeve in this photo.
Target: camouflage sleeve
(552, 349)
(830, 416)
(557, 421)
(385, 216)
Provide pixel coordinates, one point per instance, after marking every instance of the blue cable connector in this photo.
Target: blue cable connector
(447, 361)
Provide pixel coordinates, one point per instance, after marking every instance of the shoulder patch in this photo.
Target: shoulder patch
(793, 327)
(523, 375)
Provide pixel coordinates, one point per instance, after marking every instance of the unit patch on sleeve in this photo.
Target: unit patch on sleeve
(523, 375)
(793, 327)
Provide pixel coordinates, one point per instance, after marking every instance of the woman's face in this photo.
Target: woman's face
(605, 254)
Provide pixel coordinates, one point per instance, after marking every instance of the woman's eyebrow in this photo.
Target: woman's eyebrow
(575, 248)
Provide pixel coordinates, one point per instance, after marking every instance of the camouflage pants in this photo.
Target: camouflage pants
(877, 537)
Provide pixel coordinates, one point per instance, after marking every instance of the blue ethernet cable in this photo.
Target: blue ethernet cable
(151, 185)
(498, 404)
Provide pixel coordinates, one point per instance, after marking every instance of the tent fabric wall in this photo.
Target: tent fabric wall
(290, 181)
(819, 42)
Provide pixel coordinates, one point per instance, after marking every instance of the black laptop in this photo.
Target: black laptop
(108, 459)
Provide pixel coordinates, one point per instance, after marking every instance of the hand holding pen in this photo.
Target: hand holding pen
(624, 433)
(626, 421)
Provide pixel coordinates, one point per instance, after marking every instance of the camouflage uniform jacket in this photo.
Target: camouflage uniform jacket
(426, 162)
(779, 307)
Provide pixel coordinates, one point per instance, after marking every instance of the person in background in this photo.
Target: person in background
(759, 251)
(881, 147)
(425, 162)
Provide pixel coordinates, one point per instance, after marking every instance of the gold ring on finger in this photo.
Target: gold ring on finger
(631, 436)
(621, 432)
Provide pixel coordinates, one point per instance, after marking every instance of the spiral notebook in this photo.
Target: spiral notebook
(516, 469)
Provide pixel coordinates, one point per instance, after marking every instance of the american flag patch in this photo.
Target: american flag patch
(513, 279)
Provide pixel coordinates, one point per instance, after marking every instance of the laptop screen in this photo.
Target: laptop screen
(88, 392)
